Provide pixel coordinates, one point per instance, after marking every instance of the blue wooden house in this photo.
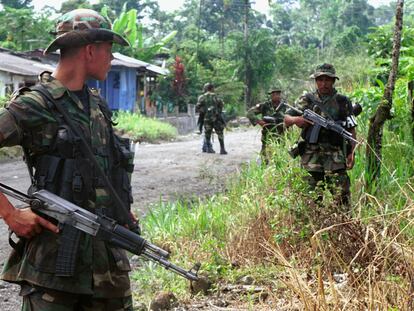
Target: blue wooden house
(129, 84)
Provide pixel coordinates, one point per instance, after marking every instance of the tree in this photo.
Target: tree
(355, 13)
(70, 5)
(142, 48)
(383, 113)
(383, 14)
(25, 29)
(260, 58)
(17, 4)
(119, 6)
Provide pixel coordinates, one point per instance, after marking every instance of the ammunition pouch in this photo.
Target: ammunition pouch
(71, 179)
(121, 176)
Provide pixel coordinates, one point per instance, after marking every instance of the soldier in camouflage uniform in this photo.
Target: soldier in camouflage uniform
(327, 159)
(211, 106)
(99, 279)
(271, 130)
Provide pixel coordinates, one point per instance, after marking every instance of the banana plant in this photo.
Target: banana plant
(143, 49)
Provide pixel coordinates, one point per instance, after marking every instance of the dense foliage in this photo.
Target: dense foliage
(265, 227)
(230, 44)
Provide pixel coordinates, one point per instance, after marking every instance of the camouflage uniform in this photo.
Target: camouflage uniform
(270, 131)
(100, 280)
(212, 107)
(325, 160)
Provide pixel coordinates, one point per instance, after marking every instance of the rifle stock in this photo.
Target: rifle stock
(104, 228)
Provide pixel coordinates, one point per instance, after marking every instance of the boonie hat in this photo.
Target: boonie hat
(274, 90)
(324, 70)
(208, 86)
(83, 26)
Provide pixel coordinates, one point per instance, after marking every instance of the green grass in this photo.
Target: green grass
(263, 223)
(141, 128)
(3, 101)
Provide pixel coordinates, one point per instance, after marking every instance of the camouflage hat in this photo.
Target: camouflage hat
(83, 26)
(274, 90)
(208, 86)
(324, 70)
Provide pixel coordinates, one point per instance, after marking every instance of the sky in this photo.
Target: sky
(171, 5)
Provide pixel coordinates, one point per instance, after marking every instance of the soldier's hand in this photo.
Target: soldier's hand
(135, 227)
(350, 160)
(25, 223)
(261, 123)
(298, 121)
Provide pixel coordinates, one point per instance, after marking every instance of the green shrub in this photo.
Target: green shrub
(140, 128)
(264, 224)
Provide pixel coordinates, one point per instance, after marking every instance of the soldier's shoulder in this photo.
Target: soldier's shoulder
(20, 92)
(28, 96)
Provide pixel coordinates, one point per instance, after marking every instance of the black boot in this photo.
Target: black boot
(210, 148)
(222, 149)
(204, 148)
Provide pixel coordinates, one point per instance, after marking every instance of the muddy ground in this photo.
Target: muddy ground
(163, 172)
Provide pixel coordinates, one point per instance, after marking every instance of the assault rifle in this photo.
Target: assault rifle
(319, 122)
(43, 202)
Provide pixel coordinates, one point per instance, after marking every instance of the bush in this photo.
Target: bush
(265, 223)
(140, 128)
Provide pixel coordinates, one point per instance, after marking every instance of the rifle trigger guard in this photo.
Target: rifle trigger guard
(36, 204)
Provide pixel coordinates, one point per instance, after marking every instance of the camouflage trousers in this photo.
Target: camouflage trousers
(337, 182)
(217, 126)
(44, 299)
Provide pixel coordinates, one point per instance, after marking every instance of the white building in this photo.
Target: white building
(17, 71)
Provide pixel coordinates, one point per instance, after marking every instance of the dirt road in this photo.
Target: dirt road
(163, 172)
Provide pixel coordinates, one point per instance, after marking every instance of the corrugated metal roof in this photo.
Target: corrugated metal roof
(123, 60)
(21, 66)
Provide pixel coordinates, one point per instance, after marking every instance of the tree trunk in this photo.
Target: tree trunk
(411, 103)
(247, 68)
(373, 151)
(412, 119)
